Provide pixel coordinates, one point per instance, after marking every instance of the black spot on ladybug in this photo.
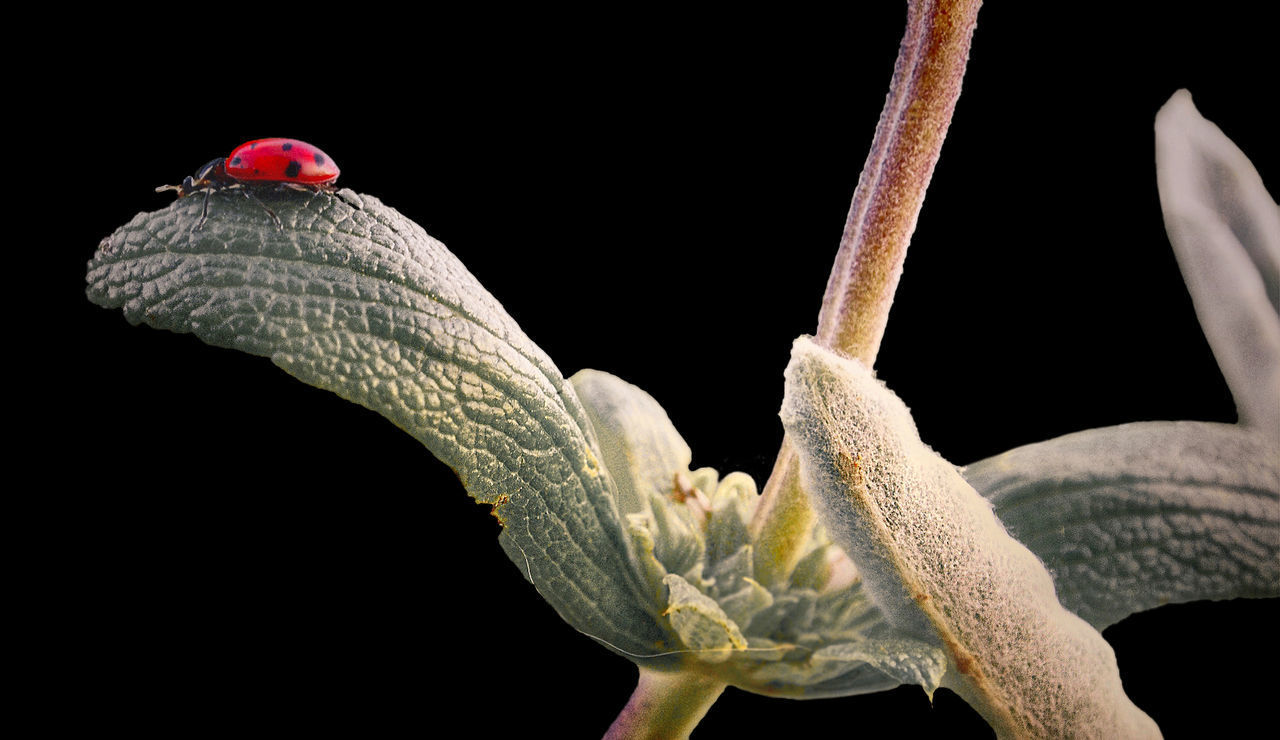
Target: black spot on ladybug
(319, 158)
(253, 146)
(257, 171)
(294, 168)
(235, 162)
(286, 146)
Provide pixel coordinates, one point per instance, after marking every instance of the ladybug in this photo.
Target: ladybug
(276, 163)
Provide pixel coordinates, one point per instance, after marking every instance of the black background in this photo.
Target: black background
(220, 547)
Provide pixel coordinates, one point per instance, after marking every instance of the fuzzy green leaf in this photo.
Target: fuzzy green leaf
(1133, 517)
(353, 297)
(1225, 230)
(939, 564)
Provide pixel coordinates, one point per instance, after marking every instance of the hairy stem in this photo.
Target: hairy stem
(917, 112)
(665, 706)
(886, 204)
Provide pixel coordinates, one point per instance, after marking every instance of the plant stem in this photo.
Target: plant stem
(855, 308)
(665, 706)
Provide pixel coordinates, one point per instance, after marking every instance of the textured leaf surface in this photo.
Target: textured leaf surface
(1132, 517)
(353, 297)
(939, 564)
(1225, 230)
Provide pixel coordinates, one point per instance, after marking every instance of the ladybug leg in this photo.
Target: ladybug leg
(315, 190)
(302, 188)
(305, 188)
(204, 210)
(270, 212)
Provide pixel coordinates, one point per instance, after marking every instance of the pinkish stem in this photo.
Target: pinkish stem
(665, 706)
(922, 98)
(886, 204)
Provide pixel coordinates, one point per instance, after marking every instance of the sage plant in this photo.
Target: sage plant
(866, 560)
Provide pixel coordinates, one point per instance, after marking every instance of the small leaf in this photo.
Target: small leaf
(813, 570)
(939, 564)
(904, 660)
(729, 572)
(678, 544)
(353, 297)
(731, 507)
(743, 604)
(788, 614)
(1132, 517)
(1225, 231)
(849, 668)
(701, 623)
(846, 611)
(651, 569)
(641, 448)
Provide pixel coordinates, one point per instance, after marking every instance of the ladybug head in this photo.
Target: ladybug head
(214, 171)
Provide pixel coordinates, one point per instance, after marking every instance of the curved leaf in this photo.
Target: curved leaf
(939, 564)
(1225, 231)
(1132, 517)
(353, 297)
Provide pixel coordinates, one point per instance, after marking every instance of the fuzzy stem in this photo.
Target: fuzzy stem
(922, 98)
(908, 141)
(665, 706)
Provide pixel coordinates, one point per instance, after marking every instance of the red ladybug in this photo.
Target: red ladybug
(281, 160)
(278, 163)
